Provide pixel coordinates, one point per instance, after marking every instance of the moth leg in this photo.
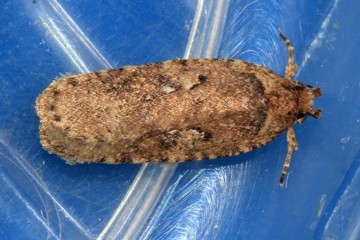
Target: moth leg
(300, 120)
(292, 145)
(291, 66)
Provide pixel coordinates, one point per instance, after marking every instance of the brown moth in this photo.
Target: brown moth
(173, 111)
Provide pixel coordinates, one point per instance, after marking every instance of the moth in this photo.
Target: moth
(173, 111)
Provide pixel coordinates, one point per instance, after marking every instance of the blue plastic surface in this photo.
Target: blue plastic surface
(42, 197)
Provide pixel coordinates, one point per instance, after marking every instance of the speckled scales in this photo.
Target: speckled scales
(172, 111)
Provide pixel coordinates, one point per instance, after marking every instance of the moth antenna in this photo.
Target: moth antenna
(291, 67)
(292, 145)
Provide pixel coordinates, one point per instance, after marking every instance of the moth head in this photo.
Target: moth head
(306, 95)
